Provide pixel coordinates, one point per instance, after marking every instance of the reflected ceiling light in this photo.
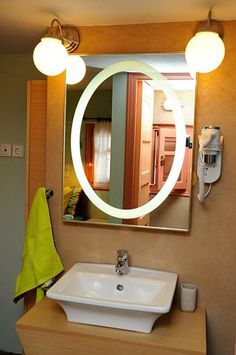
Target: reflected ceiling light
(75, 69)
(167, 105)
(206, 50)
(51, 53)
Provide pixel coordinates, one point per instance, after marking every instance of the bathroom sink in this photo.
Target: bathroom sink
(96, 294)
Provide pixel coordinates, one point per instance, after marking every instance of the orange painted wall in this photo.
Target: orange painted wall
(207, 254)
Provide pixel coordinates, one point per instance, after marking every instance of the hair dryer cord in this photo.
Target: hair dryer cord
(202, 194)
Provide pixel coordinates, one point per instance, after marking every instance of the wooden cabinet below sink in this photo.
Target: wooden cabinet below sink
(45, 330)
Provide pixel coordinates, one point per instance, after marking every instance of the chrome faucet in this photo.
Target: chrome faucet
(122, 266)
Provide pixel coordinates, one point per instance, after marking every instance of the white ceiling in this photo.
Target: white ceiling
(22, 22)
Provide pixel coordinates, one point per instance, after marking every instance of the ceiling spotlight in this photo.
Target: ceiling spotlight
(206, 50)
(51, 53)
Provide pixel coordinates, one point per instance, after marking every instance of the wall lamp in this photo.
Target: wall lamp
(206, 50)
(51, 55)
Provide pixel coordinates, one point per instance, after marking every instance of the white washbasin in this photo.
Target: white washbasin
(96, 294)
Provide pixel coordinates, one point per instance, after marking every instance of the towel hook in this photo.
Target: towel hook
(49, 193)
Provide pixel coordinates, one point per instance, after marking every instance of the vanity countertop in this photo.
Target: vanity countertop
(45, 330)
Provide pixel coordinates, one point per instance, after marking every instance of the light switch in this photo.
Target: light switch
(17, 150)
(5, 150)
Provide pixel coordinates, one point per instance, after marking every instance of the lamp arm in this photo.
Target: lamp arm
(209, 19)
(67, 34)
(59, 28)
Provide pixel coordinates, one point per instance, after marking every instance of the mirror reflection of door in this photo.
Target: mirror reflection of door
(141, 151)
(138, 158)
(165, 137)
(145, 159)
(150, 148)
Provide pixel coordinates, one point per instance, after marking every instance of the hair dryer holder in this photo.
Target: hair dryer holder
(209, 159)
(212, 170)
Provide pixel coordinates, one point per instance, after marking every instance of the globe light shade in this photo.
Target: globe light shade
(50, 56)
(75, 69)
(204, 52)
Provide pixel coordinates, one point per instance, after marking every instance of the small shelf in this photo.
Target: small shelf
(45, 330)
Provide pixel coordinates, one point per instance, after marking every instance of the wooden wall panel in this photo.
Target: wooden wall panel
(35, 150)
(36, 138)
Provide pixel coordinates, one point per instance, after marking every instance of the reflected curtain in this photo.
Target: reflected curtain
(102, 154)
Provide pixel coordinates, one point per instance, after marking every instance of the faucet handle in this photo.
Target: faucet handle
(122, 253)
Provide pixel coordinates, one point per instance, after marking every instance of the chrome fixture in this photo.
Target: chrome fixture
(209, 159)
(68, 35)
(122, 267)
(120, 287)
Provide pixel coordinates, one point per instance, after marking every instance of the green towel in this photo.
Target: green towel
(40, 260)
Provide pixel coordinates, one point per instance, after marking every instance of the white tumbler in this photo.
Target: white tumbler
(188, 297)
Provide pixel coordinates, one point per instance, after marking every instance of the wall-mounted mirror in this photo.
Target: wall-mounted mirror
(116, 150)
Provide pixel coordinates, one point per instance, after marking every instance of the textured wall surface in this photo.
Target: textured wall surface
(206, 255)
(15, 71)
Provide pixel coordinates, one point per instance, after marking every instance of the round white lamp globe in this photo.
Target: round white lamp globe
(50, 56)
(204, 52)
(75, 69)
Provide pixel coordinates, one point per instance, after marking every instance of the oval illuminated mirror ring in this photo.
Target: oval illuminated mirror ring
(129, 66)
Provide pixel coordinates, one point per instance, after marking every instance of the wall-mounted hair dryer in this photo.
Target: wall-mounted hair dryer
(209, 159)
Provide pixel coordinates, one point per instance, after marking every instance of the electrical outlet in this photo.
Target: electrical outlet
(5, 150)
(17, 150)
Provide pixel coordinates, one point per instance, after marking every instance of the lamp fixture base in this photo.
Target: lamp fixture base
(66, 33)
(71, 38)
(210, 26)
(214, 26)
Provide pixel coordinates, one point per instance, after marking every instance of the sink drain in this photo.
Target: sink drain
(120, 287)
